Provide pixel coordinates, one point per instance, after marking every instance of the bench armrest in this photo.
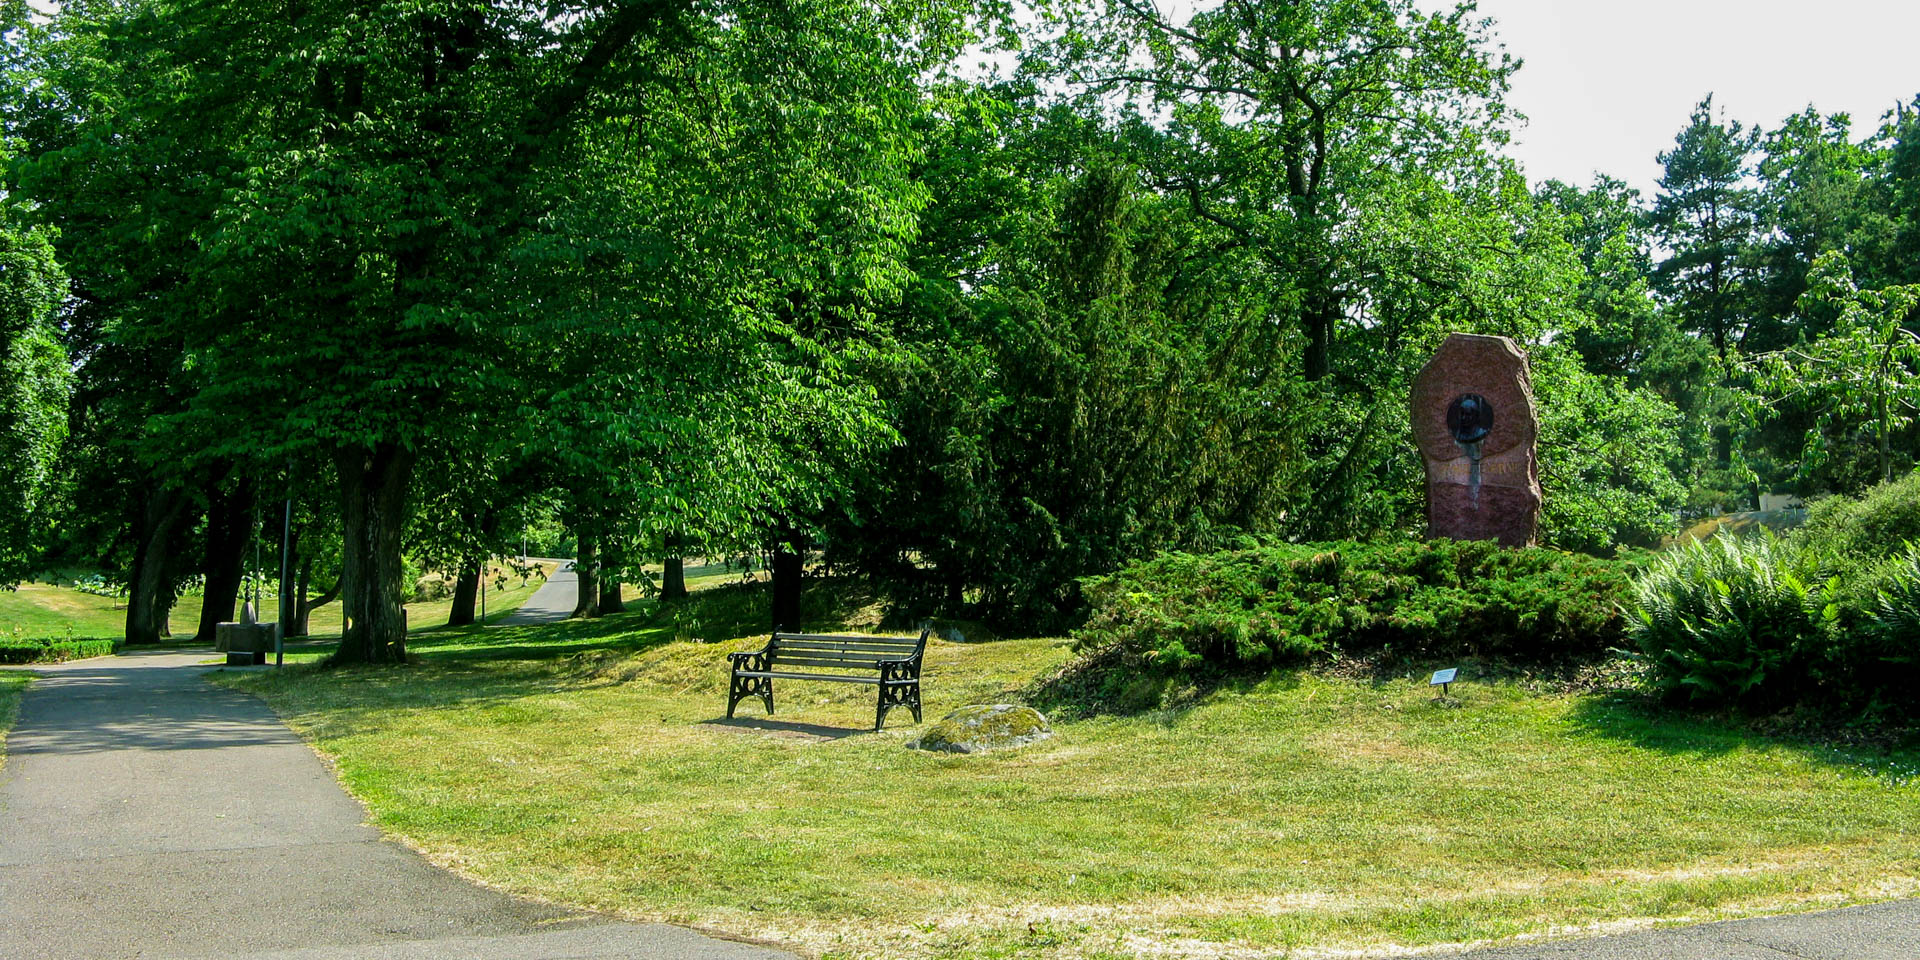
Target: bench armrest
(748, 659)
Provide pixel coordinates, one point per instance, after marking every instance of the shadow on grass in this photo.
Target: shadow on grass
(1638, 720)
(1109, 683)
(808, 731)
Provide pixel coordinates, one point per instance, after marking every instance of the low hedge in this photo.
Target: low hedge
(1181, 613)
(55, 651)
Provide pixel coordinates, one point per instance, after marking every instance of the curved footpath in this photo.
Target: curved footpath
(145, 812)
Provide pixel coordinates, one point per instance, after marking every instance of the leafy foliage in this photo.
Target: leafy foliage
(1732, 620)
(55, 651)
(35, 381)
(1824, 618)
(1268, 605)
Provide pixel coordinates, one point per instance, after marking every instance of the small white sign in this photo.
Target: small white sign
(1441, 677)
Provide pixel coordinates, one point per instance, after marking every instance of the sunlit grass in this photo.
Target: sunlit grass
(12, 684)
(585, 762)
(45, 611)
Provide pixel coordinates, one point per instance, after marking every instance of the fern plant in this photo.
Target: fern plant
(1733, 620)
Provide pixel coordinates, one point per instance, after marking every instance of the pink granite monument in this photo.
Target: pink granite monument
(1474, 422)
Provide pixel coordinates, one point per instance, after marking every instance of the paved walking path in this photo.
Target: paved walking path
(1882, 931)
(147, 813)
(552, 603)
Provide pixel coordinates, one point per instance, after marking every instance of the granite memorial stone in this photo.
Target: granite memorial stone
(1474, 421)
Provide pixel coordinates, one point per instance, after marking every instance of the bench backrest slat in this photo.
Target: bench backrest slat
(783, 662)
(844, 652)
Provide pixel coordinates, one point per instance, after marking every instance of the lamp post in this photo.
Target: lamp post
(286, 572)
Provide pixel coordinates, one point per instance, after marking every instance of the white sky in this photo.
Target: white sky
(1608, 83)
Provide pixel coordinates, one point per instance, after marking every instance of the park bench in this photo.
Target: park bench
(894, 663)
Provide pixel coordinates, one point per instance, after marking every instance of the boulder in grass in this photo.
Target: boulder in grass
(982, 727)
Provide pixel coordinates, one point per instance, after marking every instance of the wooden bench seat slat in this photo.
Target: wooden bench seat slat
(892, 664)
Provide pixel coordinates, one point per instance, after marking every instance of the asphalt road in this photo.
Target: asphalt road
(1881, 931)
(147, 813)
(552, 603)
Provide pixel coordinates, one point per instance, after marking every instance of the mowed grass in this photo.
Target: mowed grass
(1303, 815)
(44, 610)
(12, 684)
(427, 614)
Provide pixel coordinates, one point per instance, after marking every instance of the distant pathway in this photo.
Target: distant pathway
(1881, 931)
(147, 813)
(552, 603)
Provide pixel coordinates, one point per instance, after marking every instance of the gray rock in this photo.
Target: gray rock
(981, 727)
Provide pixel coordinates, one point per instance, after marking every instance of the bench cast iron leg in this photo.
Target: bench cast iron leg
(744, 687)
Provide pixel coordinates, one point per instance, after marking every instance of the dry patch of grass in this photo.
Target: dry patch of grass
(1305, 815)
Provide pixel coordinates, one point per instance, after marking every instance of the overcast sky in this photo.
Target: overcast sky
(1608, 83)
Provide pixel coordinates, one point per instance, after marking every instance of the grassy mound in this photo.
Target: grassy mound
(1289, 603)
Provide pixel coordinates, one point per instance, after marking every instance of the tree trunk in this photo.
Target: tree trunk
(163, 611)
(786, 587)
(301, 627)
(1322, 311)
(149, 588)
(586, 570)
(673, 580)
(465, 593)
(373, 486)
(610, 601)
(302, 578)
(229, 527)
(673, 583)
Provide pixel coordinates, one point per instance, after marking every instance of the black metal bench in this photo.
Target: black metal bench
(895, 661)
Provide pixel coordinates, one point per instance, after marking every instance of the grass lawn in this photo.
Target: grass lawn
(1305, 815)
(43, 610)
(325, 621)
(12, 684)
(40, 610)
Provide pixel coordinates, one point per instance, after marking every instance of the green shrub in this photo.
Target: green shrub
(1872, 654)
(1735, 620)
(1867, 529)
(1181, 613)
(55, 651)
(1828, 618)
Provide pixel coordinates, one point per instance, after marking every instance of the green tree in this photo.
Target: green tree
(1708, 217)
(1286, 122)
(372, 229)
(35, 382)
(1863, 377)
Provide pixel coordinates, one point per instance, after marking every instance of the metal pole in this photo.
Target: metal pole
(483, 593)
(286, 573)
